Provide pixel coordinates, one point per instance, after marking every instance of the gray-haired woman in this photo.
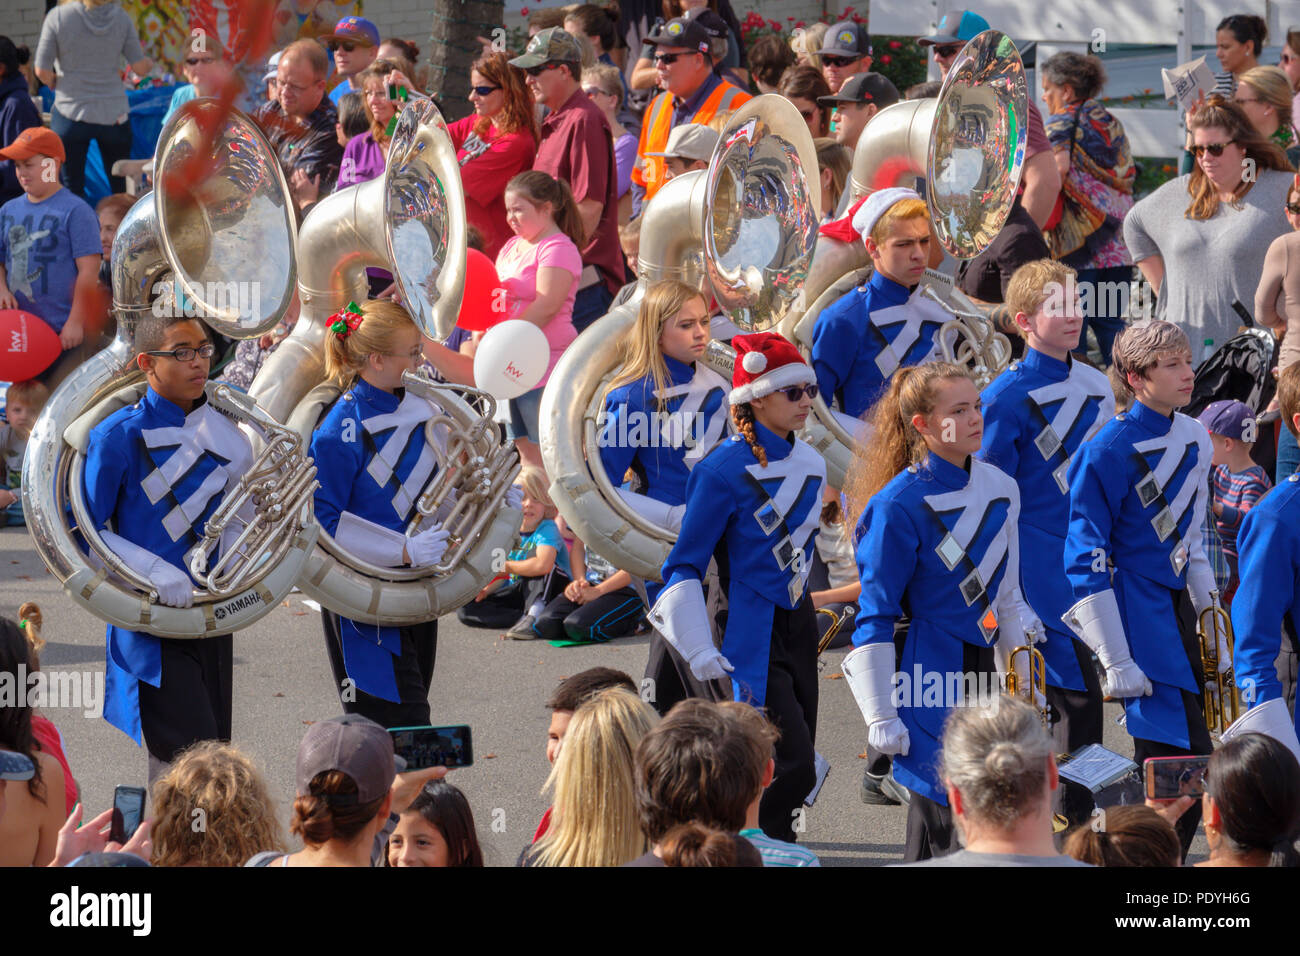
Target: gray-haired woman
(999, 770)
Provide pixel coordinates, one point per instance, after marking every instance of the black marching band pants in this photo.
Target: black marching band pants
(194, 701)
(413, 670)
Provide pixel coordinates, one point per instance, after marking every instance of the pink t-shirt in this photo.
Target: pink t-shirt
(517, 266)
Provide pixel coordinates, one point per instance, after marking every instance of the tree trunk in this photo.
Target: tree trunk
(453, 48)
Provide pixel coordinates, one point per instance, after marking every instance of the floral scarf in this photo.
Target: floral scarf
(1099, 187)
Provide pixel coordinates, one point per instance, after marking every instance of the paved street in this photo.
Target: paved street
(499, 688)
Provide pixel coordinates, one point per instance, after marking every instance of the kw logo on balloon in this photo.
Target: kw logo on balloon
(513, 372)
(16, 343)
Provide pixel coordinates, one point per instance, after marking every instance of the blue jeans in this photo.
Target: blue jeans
(590, 304)
(1104, 325)
(114, 144)
(1288, 456)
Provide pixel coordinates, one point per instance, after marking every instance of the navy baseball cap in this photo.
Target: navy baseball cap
(681, 32)
(1229, 418)
(957, 26)
(864, 88)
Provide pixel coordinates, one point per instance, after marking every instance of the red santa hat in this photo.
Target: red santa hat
(766, 362)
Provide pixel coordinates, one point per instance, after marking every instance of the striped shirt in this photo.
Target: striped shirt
(1237, 493)
(778, 852)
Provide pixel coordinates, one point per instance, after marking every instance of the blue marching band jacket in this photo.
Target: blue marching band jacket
(1268, 546)
(862, 338)
(1138, 494)
(760, 522)
(1037, 414)
(938, 543)
(373, 462)
(153, 477)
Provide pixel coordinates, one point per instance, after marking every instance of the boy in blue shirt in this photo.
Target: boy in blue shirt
(49, 248)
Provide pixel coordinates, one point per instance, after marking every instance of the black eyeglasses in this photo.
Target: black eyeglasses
(1293, 208)
(186, 354)
(345, 45)
(796, 392)
(1214, 149)
(484, 90)
(948, 49)
(830, 59)
(539, 70)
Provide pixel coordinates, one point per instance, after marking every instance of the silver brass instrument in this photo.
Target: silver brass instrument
(1221, 698)
(745, 228)
(187, 239)
(411, 220)
(969, 144)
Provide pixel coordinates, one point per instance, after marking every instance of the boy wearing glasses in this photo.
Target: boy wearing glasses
(753, 504)
(354, 45)
(155, 471)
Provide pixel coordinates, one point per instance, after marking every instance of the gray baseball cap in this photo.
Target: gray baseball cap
(690, 141)
(353, 745)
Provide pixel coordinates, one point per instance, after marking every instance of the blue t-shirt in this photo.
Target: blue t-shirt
(182, 96)
(39, 245)
(548, 532)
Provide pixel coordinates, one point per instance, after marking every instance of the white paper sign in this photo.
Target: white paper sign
(1187, 82)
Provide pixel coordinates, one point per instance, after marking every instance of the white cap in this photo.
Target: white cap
(691, 141)
(877, 204)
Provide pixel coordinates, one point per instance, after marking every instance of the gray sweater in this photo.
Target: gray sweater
(90, 45)
(1209, 263)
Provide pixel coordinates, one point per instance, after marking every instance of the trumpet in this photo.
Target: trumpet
(1222, 701)
(1036, 686)
(837, 622)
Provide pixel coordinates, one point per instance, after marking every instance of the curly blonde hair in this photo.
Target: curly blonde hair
(212, 808)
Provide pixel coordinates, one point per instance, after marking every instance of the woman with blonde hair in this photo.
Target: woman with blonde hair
(375, 462)
(1200, 239)
(664, 411)
(1264, 92)
(937, 539)
(595, 820)
(216, 785)
(805, 44)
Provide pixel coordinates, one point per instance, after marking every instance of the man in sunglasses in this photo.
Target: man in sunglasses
(576, 147)
(1040, 183)
(845, 52)
(354, 43)
(692, 93)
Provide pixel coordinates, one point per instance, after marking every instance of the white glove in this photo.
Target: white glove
(514, 497)
(426, 547)
(658, 512)
(1097, 622)
(681, 617)
(869, 670)
(174, 587)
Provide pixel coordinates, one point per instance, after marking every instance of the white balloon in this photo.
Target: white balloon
(511, 359)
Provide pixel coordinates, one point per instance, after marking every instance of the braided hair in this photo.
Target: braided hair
(743, 416)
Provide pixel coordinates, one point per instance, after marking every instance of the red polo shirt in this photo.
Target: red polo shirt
(577, 147)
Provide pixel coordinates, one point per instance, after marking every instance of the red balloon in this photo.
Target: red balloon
(27, 346)
(484, 302)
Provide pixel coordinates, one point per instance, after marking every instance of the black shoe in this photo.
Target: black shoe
(872, 791)
(895, 790)
(523, 629)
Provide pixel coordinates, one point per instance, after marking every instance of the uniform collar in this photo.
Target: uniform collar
(679, 373)
(894, 292)
(1045, 365)
(945, 472)
(168, 410)
(376, 398)
(1149, 419)
(772, 443)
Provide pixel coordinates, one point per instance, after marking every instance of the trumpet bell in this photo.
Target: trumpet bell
(761, 222)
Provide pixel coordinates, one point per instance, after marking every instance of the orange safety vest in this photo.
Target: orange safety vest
(649, 171)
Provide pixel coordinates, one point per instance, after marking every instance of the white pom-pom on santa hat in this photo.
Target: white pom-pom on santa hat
(766, 362)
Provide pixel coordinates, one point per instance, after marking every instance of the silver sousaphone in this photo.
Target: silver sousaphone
(744, 229)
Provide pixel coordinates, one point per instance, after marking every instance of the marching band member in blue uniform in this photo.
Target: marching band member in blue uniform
(1268, 598)
(753, 506)
(861, 339)
(1138, 495)
(1036, 416)
(664, 412)
(155, 472)
(373, 462)
(936, 541)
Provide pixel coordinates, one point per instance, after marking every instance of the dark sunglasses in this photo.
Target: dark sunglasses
(484, 90)
(539, 70)
(1293, 208)
(666, 59)
(830, 59)
(796, 392)
(345, 45)
(1214, 149)
(948, 49)
(196, 60)
(187, 354)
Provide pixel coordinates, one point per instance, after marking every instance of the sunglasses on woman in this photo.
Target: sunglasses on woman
(484, 90)
(830, 59)
(1293, 208)
(1214, 149)
(796, 392)
(196, 60)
